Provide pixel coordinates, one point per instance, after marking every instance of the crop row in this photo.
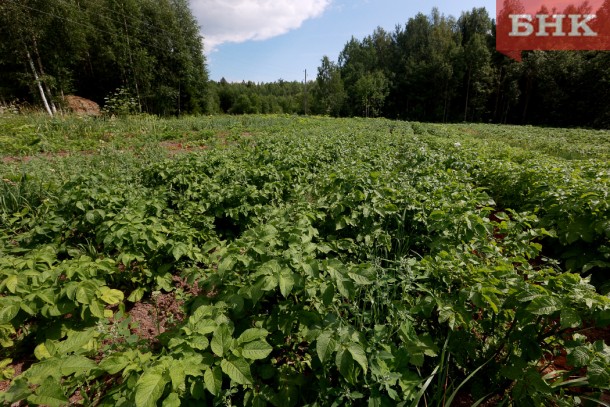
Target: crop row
(308, 262)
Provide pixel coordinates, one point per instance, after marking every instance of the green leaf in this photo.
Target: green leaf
(226, 264)
(150, 387)
(221, 341)
(255, 291)
(173, 400)
(579, 357)
(375, 399)
(114, 364)
(40, 371)
(11, 283)
(237, 369)
(49, 394)
(41, 352)
(4, 363)
(407, 333)
(269, 283)
(346, 288)
(111, 296)
(90, 216)
(345, 363)
(180, 249)
(514, 370)
(599, 374)
(18, 390)
(137, 294)
(196, 364)
(76, 364)
(47, 296)
(85, 292)
(76, 340)
(437, 215)
(8, 311)
(177, 373)
(428, 346)
(213, 380)
(417, 359)
(256, 350)
(286, 282)
(544, 306)
(252, 334)
(490, 301)
(325, 345)
(199, 342)
(97, 309)
(205, 326)
(570, 318)
(328, 294)
(359, 355)
(359, 279)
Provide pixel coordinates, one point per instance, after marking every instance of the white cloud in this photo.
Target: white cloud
(244, 20)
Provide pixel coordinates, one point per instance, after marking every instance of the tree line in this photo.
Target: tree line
(433, 68)
(150, 50)
(438, 68)
(258, 98)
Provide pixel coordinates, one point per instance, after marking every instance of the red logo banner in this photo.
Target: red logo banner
(551, 25)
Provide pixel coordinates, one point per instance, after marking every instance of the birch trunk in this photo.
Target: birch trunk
(44, 84)
(39, 84)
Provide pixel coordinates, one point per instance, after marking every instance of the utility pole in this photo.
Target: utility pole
(305, 97)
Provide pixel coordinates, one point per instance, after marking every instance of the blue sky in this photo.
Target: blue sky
(267, 40)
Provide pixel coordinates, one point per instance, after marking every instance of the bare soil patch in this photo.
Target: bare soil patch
(177, 147)
(18, 368)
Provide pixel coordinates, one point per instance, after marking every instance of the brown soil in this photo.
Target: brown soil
(598, 334)
(76, 399)
(176, 147)
(18, 368)
(161, 313)
(470, 131)
(82, 106)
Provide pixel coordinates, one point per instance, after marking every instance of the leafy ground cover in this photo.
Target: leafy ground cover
(295, 261)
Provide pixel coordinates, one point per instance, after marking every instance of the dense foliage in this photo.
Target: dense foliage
(440, 68)
(258, 98)
(149, 49)
(302, 261)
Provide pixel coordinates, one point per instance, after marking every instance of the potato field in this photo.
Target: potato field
(302, 261)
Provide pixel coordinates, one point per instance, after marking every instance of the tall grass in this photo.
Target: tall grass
(21, 195)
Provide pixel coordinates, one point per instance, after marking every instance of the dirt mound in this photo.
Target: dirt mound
(82, 106)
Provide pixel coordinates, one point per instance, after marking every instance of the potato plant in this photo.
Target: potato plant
(292, 261)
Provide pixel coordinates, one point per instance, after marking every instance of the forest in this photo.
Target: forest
(433, 68)
(148, 49)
